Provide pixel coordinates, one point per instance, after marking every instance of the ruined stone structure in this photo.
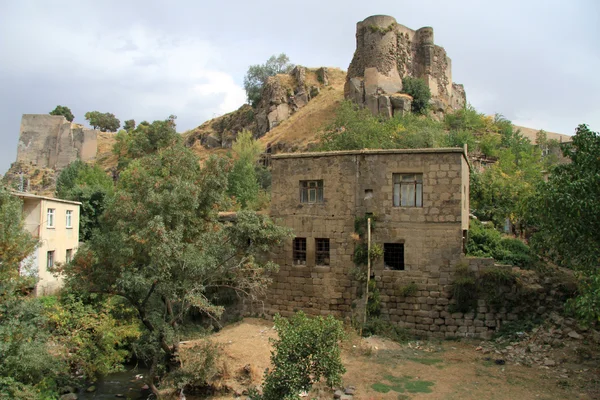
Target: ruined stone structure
(385, 53)
(50, 141)
(419, 200)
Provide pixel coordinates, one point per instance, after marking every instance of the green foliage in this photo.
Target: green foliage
(64, 111)
(380, 327)
(162, 248)
(464, 290)
(257, 75)
(419, 91)
(374, 301)
(243, 180)
(129, 125)
(199, 366)
(355, 128)
(402, 384)
(106, 122)
(360, 253)
(15, 245)
(586, 306)
(307, 350)
(146, 138)
(408, 290)
(89, 185)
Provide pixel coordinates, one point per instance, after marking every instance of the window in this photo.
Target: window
(50, 260)
(300, 251)
(69, 218)
(408, 190)
(50, 218)
(393, 255)
(311, 191)
(322, 251)
(69, 255)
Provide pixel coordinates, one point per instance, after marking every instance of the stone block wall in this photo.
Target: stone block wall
(50, 141)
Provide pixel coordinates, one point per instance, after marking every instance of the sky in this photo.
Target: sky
(537, 62)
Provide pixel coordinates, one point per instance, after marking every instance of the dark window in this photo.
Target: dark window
(322, 251)
(311, 191)
(50, 260)
(408, 190)
(300, 251)
(393, 255)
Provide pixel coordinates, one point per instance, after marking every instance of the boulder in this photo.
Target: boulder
(354, 90)
(323, 76)
(385, 107)
(401, 103)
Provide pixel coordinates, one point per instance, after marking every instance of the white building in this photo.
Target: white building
(55, 223)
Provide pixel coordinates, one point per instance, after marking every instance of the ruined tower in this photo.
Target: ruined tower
(385, 53)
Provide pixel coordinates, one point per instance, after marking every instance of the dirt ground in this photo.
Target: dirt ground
(381, 369)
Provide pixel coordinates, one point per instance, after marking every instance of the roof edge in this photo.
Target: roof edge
(35, 196)
(369, 152)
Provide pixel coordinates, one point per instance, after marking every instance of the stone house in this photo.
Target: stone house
(419, 199)
(55, 223)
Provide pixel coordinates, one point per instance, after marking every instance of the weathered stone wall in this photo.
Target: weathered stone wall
(50, 141)
(385, 53)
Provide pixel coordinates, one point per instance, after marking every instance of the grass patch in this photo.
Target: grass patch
(403, 384)
(426, 361)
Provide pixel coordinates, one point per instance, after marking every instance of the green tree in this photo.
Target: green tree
(243, 179)
(162, 248)
(419, 91)
(257, 75)
(306, 351)
(106, 122)
(64, 111)
(129, 125)
(89, 185)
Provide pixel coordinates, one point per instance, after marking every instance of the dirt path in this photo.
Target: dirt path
(382, 369)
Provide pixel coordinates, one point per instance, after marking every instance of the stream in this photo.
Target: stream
(119, 383)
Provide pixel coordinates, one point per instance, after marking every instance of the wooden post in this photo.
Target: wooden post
(368, 268)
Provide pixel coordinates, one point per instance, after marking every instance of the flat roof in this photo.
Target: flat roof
(35, 196)
(370, 152)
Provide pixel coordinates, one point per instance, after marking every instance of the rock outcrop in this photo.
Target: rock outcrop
(385, 53)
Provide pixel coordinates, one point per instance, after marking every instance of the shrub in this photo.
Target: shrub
(419, 91)
(408, 290)
(464, 290)
(307, 350)
(199, 366)
(380, 327)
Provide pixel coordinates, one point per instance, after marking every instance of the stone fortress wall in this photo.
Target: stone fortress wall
(385, 53)
(50, 141)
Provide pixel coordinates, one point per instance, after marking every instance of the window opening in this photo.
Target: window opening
(322, 251)
(393, 255)
(300, 251)
(408, 190)
(311, 191)
(50, 260)
(50, 218)
(69, 218)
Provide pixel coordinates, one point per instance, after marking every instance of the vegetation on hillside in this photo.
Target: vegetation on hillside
(64, 111)
(106, 122)
(257, 75)
(420, 93)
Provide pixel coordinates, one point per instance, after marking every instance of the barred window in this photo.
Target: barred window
(300, 251)
(322, 251)
(408, 190)
(311, 191)
(393, 255)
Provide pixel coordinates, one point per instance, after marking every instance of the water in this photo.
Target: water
(124, 383)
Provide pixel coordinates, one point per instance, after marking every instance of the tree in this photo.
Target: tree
(106, 122)
(419, 91)
(162, 248)
(257, 75)
(129, 125)
(64, 111)
(243, 180)
(89, 185)
(566, 214)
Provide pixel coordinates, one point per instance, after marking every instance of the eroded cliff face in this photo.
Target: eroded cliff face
(385, 53)
(50, 141)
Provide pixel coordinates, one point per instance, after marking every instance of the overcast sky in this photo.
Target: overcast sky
(535, 62)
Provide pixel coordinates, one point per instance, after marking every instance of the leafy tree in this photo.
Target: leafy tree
(89, 185)
(64, 111)
(419, 91)
(307, 350)
(257, 75)
(106, 122)
(162, 248)
(15, 245)
(243, 180)
(129, 125)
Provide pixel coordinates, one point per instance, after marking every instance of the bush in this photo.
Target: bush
(464, 290)
(379, 327)
(419, 91)
(307, 350)
(257, 76)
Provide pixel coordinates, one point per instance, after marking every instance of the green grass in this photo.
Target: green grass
(403, 384)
